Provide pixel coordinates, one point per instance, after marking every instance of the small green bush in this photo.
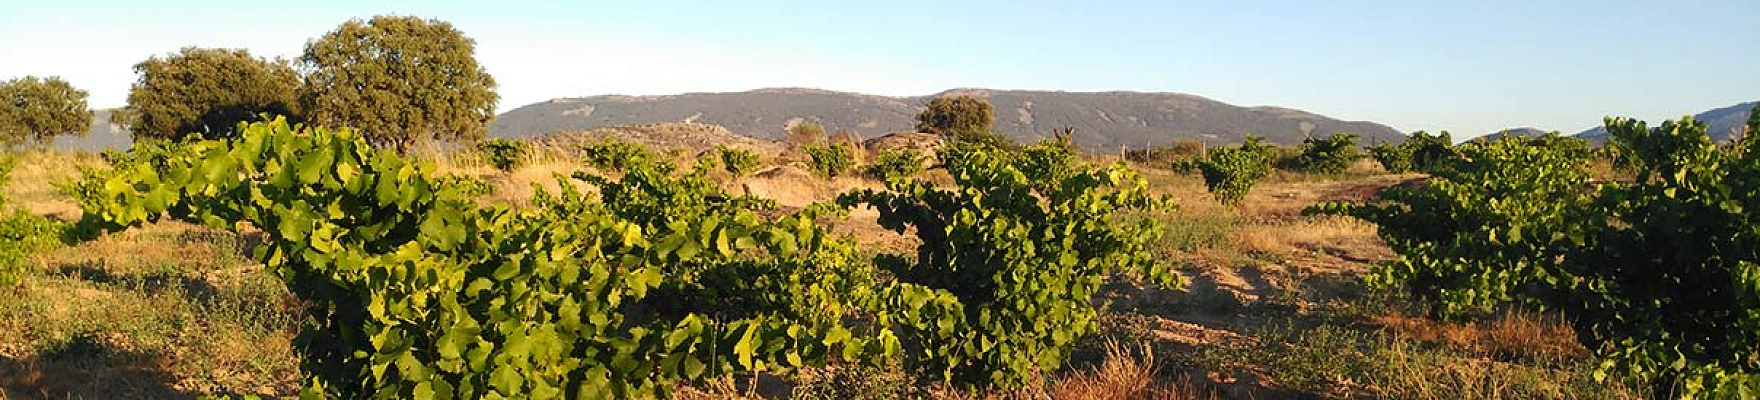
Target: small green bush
(831, 160)
(1329, 156)
(1003, 284)
(1232, 171)
(613, 155)
(1393, 158)
(891, 165)
(1430, 152)
(503, 154)
(1421, 152)
(153, 152)
(150, 153)
(736, 161)
(21, 232)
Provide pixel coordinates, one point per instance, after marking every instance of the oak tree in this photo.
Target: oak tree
(951, 115)
(399, 79)
(35, 110)
(207, 92)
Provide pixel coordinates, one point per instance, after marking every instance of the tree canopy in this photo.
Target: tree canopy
(35, 110)
(207, 92)
(399, 79)
(956, 114)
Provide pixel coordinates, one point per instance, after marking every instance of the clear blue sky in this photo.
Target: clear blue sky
(1467, 67)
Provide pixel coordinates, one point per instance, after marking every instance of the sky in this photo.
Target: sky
(1470, 67)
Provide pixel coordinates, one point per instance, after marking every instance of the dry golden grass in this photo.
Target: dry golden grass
(1125, 374)
(159, 246)
(538, 168)
(165, 311)
(1311, 234)
(34, 181)
(1516, 335)
(1412, 373)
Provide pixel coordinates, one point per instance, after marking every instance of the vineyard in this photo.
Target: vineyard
(1518, 267)
(1659, 273)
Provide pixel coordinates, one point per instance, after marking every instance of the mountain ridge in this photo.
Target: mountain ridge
(1103, 120)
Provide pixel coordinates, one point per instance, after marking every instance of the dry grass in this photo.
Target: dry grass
(1513, 336)
(163, 247)
(1125, 374)
(1337, 235)
(34, 181)
(166, 311)
(537, 169)
(1413, 373)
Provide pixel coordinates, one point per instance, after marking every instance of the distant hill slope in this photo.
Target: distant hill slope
(1104, 120)
(1721, 123)
(102, 135)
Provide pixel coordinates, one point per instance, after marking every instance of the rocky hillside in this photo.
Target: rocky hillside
(1103, 120)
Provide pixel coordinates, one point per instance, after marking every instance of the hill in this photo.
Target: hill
(1723, 123)
(1103, 120)
(103, 135)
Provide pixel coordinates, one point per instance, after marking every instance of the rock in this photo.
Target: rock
(926, 144)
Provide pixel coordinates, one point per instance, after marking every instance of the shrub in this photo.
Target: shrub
(1232, 171)
(1393, 158)
(612, 155)
(1420, 152)
(1331, 155)
(1658, 274)
(1012, 258)
(737, 161)
(891, 165)
(950, 115)
(831, 160)
(1429, 152)
(417, 292)
(21, 233)
(1571, 147)
(503, 154)
(153, 153)
(1508, 195)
